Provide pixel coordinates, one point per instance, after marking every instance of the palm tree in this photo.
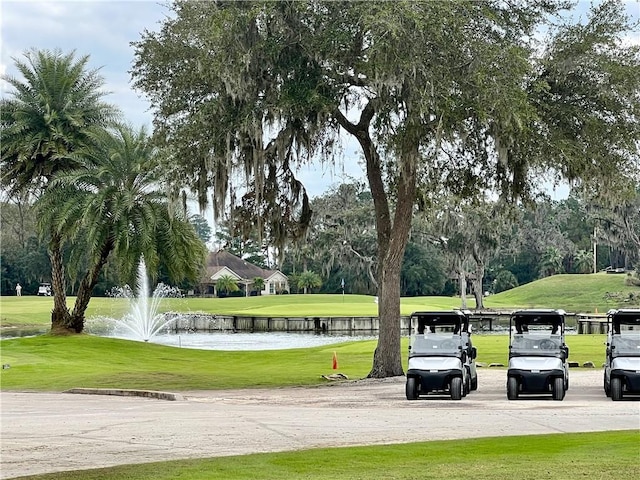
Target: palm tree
(116, 204)
(584, 261)
(45, 125)
(226, 284)
(309, 279)
(258, 283)
(551, 262)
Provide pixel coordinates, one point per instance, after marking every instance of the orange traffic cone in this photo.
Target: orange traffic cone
(335, 361)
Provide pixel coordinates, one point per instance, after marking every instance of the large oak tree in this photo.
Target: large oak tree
(438, 95)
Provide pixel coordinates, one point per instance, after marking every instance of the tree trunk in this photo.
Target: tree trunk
(60, 316)
(478, 291)
(86, 289)
(462, 279)
(387, 359)
(392, 240)
(476, 285)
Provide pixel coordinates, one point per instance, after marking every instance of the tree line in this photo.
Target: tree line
(514, 247)
(544, 238)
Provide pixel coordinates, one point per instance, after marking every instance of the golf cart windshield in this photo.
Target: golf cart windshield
(626, 344)
(436, 344)
(536, 343)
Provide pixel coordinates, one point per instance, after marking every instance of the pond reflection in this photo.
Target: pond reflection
(254, 341)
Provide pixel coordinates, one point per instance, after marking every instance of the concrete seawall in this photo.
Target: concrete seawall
(213, 323)
(481, 321)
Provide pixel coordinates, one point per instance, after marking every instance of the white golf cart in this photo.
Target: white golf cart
(537, 354)
(622, 365)
(441, 356)
(44, 289)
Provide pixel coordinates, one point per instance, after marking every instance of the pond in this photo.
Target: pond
(228, 341)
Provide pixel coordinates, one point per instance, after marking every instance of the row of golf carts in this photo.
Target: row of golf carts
(442, 357)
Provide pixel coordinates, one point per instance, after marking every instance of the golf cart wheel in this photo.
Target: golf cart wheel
(607, 387)
(412, 388)
(474, 384)
(512, 388)
(467, 386)
(456, 388)
(616, 389)
(558, 388)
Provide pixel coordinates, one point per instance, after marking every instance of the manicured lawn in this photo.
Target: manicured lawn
(17, 311)
(573, 293)
(57, 363)
(560, 457)
(49, 363)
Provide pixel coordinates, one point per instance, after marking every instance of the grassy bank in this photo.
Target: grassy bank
(574, 293)
(58, 363)
(560, 457)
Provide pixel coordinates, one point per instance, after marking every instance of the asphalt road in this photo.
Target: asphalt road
(47, 432)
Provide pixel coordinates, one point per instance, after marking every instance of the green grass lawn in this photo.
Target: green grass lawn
(52, 363)
(602, 455)
(574, 293)
(36, 311)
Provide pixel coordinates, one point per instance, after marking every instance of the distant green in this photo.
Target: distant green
(575, 456)
(22, 311)
(573, 293)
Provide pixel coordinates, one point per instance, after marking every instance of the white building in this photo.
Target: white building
(223, 263)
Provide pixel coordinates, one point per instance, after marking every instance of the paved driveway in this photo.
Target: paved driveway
(46, 432)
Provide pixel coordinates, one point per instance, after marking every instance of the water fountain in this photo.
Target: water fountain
(143, 320)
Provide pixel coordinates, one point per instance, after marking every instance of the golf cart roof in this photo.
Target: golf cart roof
(538, 316)
(625, 316)
(443, 317)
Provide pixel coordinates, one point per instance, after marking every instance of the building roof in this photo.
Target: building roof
(222, 259)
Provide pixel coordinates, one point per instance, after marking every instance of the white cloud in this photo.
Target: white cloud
(101, 29)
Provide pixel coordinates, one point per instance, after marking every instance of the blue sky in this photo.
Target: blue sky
(105, 29)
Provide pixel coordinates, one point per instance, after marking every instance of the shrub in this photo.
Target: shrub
(505, 280)
(633, 280)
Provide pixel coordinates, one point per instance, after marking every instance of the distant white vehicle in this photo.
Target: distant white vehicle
(44, 289)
